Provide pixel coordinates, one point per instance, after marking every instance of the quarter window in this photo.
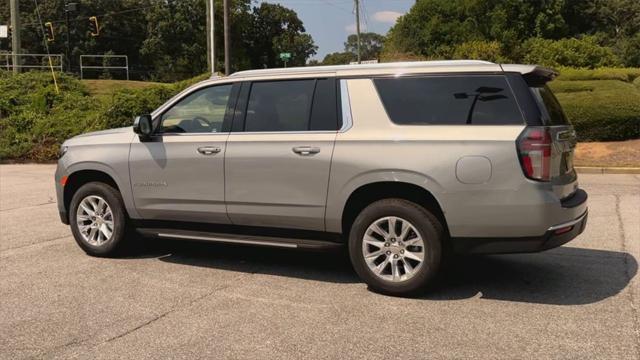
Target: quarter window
(200, 112)
(449, 100)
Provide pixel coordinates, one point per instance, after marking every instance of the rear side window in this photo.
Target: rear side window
(449, 100)
(550, 108)
(292, 105)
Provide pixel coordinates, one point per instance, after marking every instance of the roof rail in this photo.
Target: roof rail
(335, 68)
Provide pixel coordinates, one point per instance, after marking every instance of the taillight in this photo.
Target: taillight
(534, 149)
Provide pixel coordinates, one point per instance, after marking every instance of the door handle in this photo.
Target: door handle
(208, 150)
(306, 150)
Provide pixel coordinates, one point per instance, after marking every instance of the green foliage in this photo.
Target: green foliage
(166, 40)
(622, 74)
(275, 29)
(583, 52)
(437, 28)
(370, 45)
(479, 50)
(34, 120)
(339, 58)
(602, 110)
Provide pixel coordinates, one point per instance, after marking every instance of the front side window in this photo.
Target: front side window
(449, 100)
(202, 111)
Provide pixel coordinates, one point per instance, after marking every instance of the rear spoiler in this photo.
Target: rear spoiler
(534, 75)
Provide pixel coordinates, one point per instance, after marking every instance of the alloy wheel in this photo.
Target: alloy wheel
(393, 249)
(95, 221)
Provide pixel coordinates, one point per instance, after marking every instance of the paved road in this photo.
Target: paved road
(187, 300)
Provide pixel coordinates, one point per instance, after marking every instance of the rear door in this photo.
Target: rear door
(279, 153)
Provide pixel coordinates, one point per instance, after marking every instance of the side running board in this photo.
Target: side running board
(254, 240)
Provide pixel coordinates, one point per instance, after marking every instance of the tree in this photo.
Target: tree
(274, 29)
(370, 45)
(339, 58)
(574, 52)
(435, 28)
(479, 50)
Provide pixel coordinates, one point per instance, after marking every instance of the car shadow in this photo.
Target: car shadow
(562, 276)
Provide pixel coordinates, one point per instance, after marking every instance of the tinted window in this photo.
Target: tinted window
(450, 100)
(324, 112)
(550, 108)
(200, 112)
(279, 106)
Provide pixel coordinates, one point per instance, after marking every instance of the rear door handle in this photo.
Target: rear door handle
(306, 150)
(208, 150)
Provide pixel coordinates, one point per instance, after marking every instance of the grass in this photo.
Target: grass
(106, 87)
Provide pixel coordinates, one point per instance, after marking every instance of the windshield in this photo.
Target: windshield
(550, 108)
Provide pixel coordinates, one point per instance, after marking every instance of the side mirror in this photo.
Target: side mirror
(142, 126)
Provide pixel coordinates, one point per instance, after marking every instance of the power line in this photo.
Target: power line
(78, 19)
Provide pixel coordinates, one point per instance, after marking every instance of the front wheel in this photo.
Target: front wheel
(97, 219)
(395, 246)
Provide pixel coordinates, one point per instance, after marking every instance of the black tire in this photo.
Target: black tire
(429, 228)
(117, 241)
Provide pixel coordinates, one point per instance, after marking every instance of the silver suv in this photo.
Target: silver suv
(403, 162)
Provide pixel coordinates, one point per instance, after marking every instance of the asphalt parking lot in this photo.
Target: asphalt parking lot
(195, 300)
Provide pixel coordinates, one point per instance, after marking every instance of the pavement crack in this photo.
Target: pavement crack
(173, 309)
(34, 244)
(629, 277)
(29, 206)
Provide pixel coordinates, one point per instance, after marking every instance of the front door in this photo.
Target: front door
(179, 173)
(279, 155)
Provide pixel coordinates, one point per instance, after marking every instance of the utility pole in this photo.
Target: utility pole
(15, 35)
(211, 36)
(358, 26)
(227, 45)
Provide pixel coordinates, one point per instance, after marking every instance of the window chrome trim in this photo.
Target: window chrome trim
(345, 105)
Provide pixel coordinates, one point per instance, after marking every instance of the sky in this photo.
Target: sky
(330, 21)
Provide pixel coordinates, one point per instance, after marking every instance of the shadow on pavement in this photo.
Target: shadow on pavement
(563, 276)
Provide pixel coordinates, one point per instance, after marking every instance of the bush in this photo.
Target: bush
(584, 52)
(605, 73)
(480, 50)
(34, 120)
(605, 110)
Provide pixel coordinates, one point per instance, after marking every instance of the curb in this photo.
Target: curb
(607, 170)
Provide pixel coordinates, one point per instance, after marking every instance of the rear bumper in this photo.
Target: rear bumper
(555, 236)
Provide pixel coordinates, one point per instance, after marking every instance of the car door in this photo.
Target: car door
(178, 174)
(279, 153)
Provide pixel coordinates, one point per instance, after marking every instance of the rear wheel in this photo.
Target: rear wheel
(395, 246)
(98, 220)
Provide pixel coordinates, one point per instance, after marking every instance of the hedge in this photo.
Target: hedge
(604, 110)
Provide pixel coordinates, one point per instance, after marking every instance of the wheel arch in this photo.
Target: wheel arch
(369, 193)
(83, 176)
